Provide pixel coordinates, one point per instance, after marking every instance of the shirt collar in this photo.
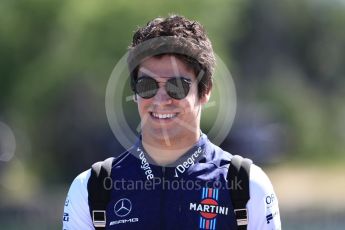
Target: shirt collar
(193, 155)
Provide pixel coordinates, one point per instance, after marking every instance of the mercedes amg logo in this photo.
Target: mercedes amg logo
(123, 207)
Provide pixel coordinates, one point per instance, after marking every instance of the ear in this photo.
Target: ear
(205, 98)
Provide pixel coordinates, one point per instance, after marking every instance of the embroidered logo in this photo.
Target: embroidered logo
(145, 164)
(208, 208)
(181, 168)
(123, 207)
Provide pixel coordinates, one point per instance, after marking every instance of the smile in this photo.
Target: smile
(163, 116)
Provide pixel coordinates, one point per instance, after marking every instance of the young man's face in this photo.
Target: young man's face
(163, 117)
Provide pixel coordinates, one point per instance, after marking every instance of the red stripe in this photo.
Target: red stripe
(210, 192)
(207, 224)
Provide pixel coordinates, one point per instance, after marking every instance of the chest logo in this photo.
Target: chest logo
(208, 208)
(123, 207)
(181, 168)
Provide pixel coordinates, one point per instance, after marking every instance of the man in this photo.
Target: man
(173, 177)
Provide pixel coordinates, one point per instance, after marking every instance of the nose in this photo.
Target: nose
(161, 97)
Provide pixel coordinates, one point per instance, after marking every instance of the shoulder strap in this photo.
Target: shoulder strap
(238, 181)
(99, 189)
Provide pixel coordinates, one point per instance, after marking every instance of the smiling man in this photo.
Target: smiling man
(170, 125)
(173, 177)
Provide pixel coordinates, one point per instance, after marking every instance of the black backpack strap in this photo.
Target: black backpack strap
(99, 189)
(238, 181)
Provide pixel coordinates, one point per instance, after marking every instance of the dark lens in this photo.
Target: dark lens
(178, 88)
(146, 87)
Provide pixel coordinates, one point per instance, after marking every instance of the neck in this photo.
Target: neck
(167, 150)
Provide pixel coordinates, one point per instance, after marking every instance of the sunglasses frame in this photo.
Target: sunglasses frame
(171, 94)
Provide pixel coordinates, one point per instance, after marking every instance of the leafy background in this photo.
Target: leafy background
(286, 58)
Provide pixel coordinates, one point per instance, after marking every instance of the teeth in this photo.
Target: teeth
(163, 116)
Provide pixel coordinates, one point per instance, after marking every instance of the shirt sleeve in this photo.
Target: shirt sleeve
(263, 210)
(76, 210)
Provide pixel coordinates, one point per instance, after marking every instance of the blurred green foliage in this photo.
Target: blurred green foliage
(56, 57)
(290, 56)
(286, 58)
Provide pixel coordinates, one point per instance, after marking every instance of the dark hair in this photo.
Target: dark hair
(188, 36)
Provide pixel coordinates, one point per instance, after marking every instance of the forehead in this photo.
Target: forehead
(165, 66)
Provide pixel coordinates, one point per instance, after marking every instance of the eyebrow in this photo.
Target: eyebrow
(147, 72)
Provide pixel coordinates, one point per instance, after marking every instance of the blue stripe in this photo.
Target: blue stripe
(214, 223)
(203, 223)
(200, 222)
(203, 193)
(211, 224)
(216, 194)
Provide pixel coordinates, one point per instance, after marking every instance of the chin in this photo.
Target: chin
(165, 133)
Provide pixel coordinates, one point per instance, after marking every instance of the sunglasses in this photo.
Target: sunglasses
(176, 87)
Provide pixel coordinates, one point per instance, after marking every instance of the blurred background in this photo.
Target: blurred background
(286, 58)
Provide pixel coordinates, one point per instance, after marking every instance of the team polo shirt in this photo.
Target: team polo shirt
(192, 193)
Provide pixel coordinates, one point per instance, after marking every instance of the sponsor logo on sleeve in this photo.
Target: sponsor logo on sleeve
(67, 202)
(270, 217)
(271, 208)
(65, 217)
(270, 200)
